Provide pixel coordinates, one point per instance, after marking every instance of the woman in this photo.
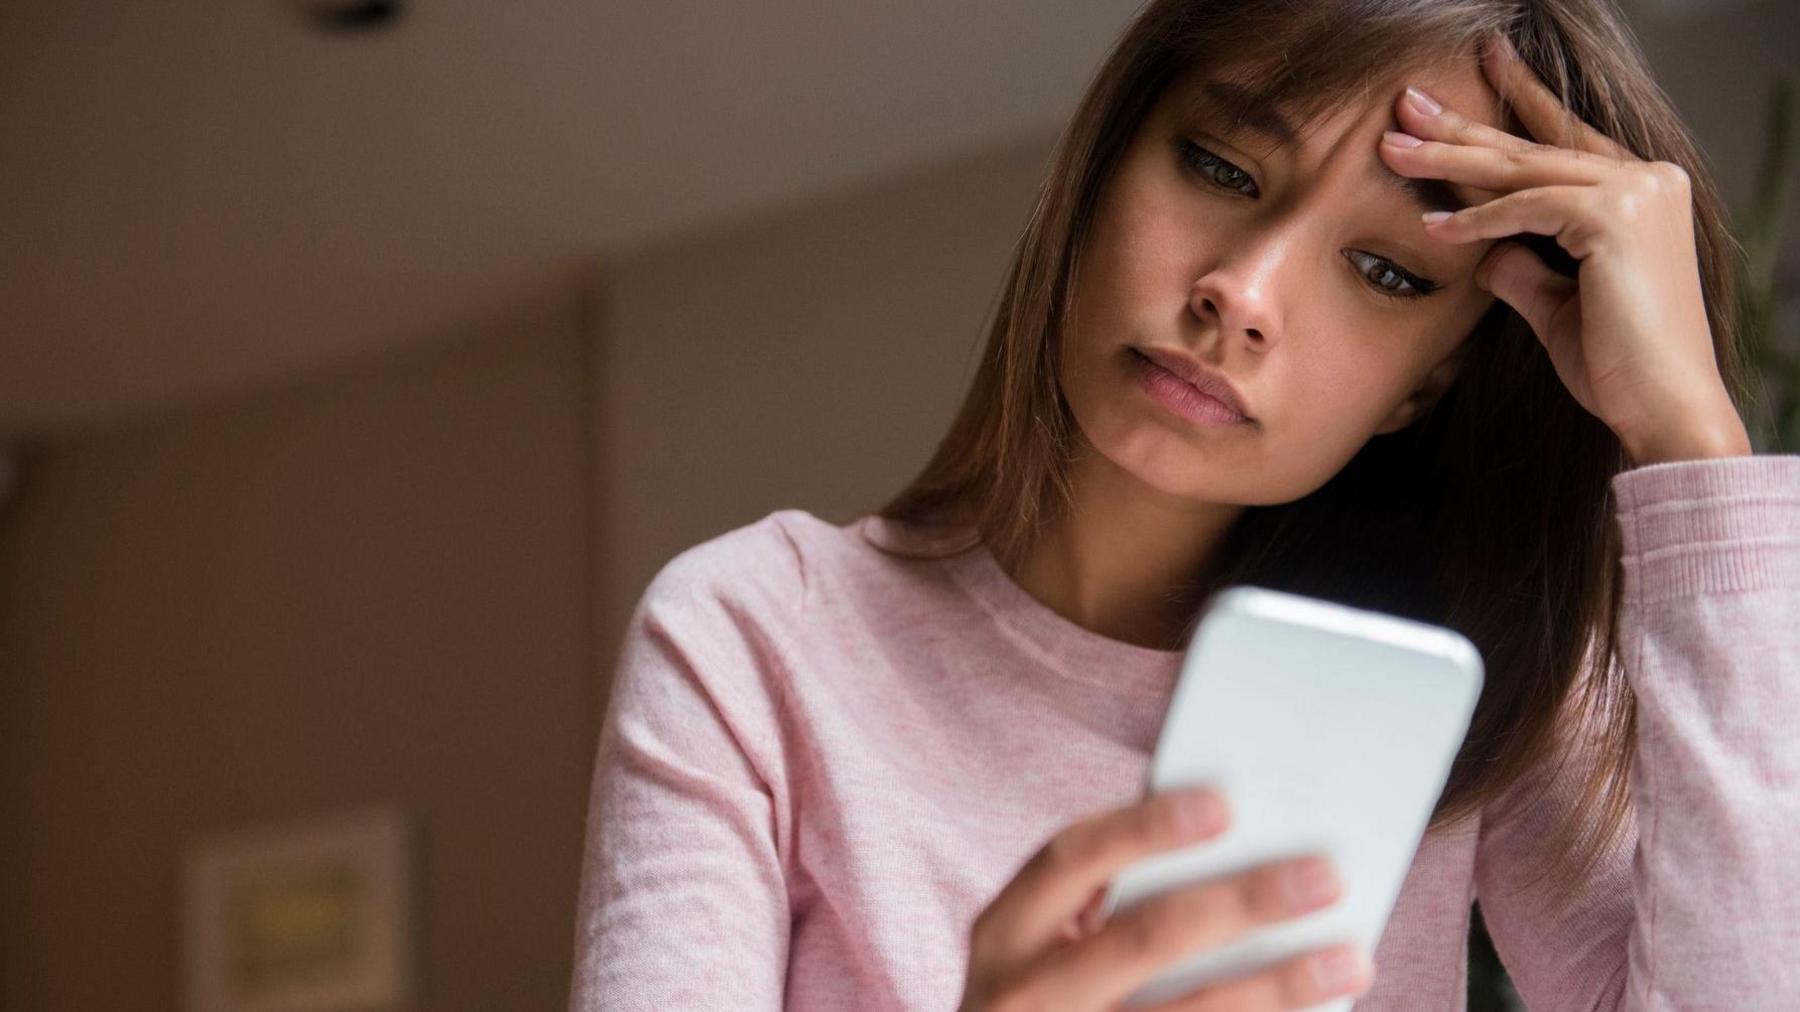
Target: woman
(893, 764)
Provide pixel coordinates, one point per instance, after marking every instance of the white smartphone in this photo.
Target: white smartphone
(1330, 730)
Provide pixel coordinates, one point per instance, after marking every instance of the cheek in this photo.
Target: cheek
(1162, 247)
(1138, 264)
(1343, 390)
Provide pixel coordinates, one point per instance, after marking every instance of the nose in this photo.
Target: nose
(1237, 292)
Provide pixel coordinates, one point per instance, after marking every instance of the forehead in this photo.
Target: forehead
(1237, 91)
(1284, 117)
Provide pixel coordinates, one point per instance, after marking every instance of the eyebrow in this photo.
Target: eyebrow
(1427, 194)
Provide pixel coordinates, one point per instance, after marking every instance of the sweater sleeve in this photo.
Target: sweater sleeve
(1698, 906)
(683, 899)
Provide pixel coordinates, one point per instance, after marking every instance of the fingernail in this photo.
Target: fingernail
(1199, 812)
(1337, 969)
(1399, 139)
(1307, 884)
(1422, 102)
(1433, 217)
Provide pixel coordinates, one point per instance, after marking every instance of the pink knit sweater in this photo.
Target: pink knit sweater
(820, 761)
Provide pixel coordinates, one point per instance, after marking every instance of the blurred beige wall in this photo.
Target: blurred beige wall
(363, 587)
(405, 580)
(807, 359)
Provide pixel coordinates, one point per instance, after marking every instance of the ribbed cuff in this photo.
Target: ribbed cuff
(1709, 526)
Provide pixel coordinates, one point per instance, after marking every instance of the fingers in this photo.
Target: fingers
(1151, 937)
(1053, 885)
(1491, 168)
(1023, 953)
(1300, 982)
(1423, 116)
(1155, 934)
(1537, 107)
(1561, 211)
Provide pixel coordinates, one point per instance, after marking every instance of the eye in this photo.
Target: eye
(1384, 276)
(1389, 278)
(1216, 170)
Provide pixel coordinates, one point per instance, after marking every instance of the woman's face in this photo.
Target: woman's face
(1291, 269)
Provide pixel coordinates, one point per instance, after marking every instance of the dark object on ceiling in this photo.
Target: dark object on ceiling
(351, 15)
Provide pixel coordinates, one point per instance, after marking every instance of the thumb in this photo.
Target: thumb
(1087, 920)
(1517, 276)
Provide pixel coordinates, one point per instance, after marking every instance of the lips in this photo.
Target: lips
(1197, 375)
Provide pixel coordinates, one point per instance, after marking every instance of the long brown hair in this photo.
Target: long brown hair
(1502, 532)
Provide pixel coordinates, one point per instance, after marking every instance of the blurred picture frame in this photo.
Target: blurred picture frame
(301, 916)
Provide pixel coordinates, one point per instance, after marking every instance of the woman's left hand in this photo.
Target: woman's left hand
(1629, 335)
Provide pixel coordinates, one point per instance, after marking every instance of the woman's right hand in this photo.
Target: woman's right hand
(1036, 946)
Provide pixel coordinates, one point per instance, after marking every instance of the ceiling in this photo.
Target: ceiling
(205, 193)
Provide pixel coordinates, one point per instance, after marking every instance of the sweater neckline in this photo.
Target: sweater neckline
(1070, 649)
